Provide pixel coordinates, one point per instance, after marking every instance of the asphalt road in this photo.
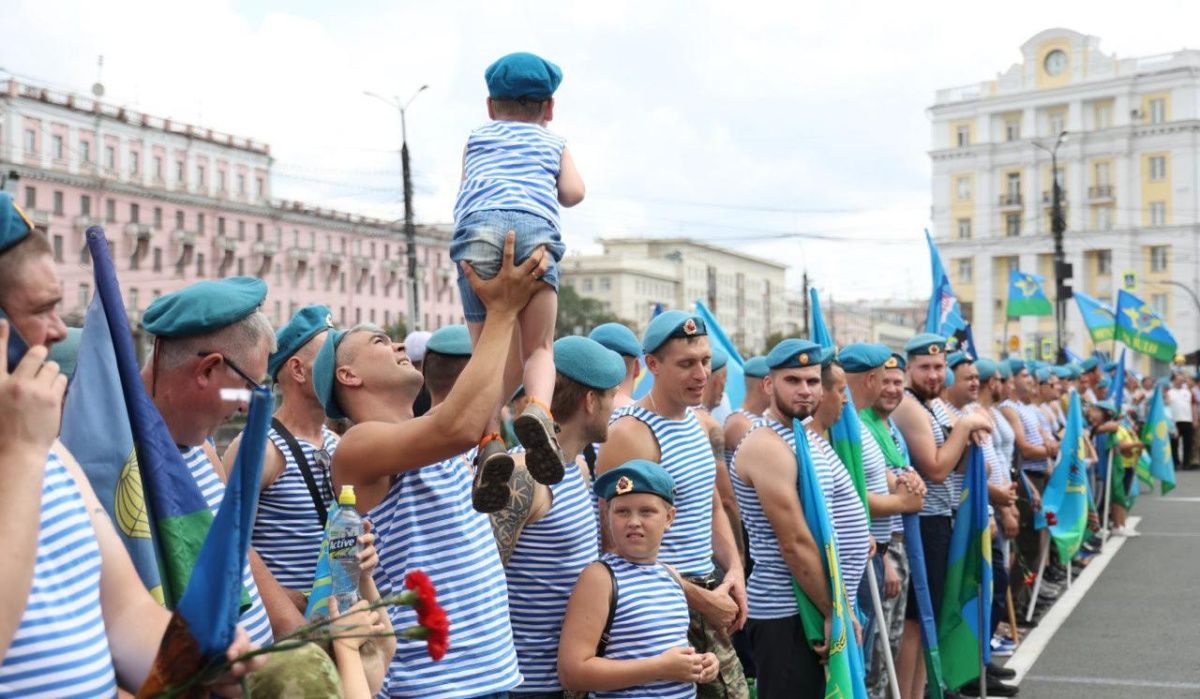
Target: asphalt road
(1136, 633)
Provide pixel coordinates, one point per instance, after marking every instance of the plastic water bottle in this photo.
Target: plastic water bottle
(344, 531)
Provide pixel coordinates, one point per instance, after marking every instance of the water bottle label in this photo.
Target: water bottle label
(341, 545)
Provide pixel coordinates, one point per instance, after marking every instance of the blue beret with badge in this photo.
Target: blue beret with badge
(795, 353)
(588, 362)
(987, 368)
(204, 307)
(618, 338)
(450, 340)
(669, 325)
(1042, 374)
(719, 359)
(636, 476)
(308, 322)
(1107, 406)
(1016, 365)
(925, 344)
(1062, 372)
(15, 226)
(756, 367)
(324, 368)
(522, 76)
(896, 361)
(1089, 363)
(858, 357)
(959, 357)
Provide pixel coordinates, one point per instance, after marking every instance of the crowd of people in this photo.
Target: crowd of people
(609, 546)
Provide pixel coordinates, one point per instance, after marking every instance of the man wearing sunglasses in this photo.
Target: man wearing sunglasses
(295, 491)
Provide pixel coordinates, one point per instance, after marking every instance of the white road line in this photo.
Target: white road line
(1036, 641)
(1167, 498)
(1113, 682)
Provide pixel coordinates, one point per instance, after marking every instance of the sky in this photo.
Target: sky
(793, 131)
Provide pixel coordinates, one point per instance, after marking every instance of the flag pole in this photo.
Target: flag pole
(881, 626)
(1037, 583)
(984, 637)
(1106, 498)
(1013, 634)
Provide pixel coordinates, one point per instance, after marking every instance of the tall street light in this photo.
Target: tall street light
(1058, 225)
(410, 231)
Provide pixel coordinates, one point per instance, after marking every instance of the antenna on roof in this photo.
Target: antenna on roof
(98, 88)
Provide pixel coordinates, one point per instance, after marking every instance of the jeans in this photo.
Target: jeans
(479, 240)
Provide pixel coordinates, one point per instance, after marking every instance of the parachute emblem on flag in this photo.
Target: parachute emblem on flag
(1027, 286)
(129, 501)
(946, 304)
(1161, 430)
(1144, 319)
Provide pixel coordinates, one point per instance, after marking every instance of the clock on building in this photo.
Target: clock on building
(1055, 62)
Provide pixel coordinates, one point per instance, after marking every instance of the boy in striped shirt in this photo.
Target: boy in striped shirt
(516, 173)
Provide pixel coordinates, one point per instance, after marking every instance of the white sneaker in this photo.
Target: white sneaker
(1131, 533)
(1116, 531)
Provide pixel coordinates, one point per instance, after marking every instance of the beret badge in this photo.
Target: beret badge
(802, 358)
(934, 349)
(624, 485)
(891, 363)
(689, 326)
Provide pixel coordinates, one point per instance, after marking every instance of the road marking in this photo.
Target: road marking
(1036, 641)
(1171, 499)
(1113, 682)
(1169, 533)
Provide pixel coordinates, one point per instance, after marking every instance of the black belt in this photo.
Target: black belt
(708, 582)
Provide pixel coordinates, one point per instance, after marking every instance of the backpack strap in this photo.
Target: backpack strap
(613, 596)
(589, 457)
(305, 469)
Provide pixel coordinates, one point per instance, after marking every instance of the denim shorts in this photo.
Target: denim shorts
(479, 240)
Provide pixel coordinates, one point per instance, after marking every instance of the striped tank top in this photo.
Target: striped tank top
(846, 511)
(769, 592)
(730, 449)
(898, 438)
(286, 533)
(1032, 426)
(990, 454)
(875, 471)
(545, 563)
(254, 620)
(1004, 441)
(60, 648)
(512, 166)
(687, 456)
(651, 617)
(426, 522)
(939, 497)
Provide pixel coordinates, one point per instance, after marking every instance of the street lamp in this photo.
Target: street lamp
(1191, 292)
(1058, 225)
(410, 231)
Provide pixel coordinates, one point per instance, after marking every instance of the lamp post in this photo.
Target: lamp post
(410, 231)
(1058, 225)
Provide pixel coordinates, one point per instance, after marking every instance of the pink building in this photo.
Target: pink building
(181, 203)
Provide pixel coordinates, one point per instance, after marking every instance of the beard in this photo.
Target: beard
(802, 413)
(919, 391)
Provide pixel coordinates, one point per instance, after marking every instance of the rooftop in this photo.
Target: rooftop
(692, 242)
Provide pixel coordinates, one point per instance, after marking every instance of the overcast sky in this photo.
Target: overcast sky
(731, 122)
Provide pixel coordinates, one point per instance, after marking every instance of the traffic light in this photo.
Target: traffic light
(1062, 273)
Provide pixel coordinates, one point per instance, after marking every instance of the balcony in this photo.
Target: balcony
(225, 244)
(300, 255)
(1048, 197)
(85, 222)
(184, 237)
(1100, 194)
(137, 231)
(40, 219)
(1010, 202)
(265, 248)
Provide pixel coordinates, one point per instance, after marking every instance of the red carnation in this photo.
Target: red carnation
(438, 639)
(1051, 519)
(430, 615)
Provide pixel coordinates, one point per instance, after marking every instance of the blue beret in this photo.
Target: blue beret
(896, 361)
(637, 476)
(588, 362)
(522, 76)
(1016, 365)
(719, 358)
(308, 322)
(1110, 367)
(1005, 369)
(756, 367)
(925, 343)
(450, 340)
(1106, 405)
(66, 351)
(204, 307)
(618, 338)
(324, 368)
(794, 353)
(987, 368)
(1062, 372)
(14, 224)
(955, 358)
(1042, 374)
(1104, 382)
(1089, 363)
(669, 325)
(858, 357)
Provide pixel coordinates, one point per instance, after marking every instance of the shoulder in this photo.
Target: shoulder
(763, 448)
(629, 434)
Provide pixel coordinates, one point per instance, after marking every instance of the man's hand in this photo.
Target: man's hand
(1010, 522)
(514, 285)
(736, 580)
(912, 498)
(891, 579)
(230, 684)
(709, 668)
(913, 482)
(822, 649)
(31, 399)
(1010, 496)
(368, 555)
(718, 607)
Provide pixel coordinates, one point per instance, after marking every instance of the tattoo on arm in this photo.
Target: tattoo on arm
(508, 523)
(717, 438)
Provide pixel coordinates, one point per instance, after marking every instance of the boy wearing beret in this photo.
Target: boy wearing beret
(626, 626)
(516, 173)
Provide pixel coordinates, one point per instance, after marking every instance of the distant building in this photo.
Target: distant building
(633, 275)
(1128, 170)
(181, 203)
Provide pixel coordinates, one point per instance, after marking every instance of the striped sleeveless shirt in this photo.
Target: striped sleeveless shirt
(60, 648)
(898, 438)
(769, 592)
(1004, 439)
(426, 522)
(875, 470)
(286, 533)
(687, 456)
(939, 497)
(1028, 415)
(512, 166)
(545, 563)
(846, 511)
(730, 449)
(254, 620)
(990, 455)
(651, 617)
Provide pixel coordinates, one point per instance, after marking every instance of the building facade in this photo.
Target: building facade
(633, 275)
(181, 203)
(1128, 170)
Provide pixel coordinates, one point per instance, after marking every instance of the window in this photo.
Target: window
(85, 205)
(220, 225)
(1158, 213)
(58, 203)
(962, 188)
(1102, 113)
(158, 218)
(1013, 184)
(110, 158)
(56, 147)
(133, 299)
(241, 185)
(58, 248)
(220, 180)
(1158, 167)
(1104, 262)
(1012, 225)
(964, 228)
(1104, 218)
(134, 158)
(200, 224)
(1158, 110)
(1158, 258)
(135, 213)
(1101, 171)
(241, 228)
(199, 264)
(200, 176)
(158, 168)
(157, 259)
(258, 187)
(179, 170)
(965, 270)
(1058, 122)
(85, 151)
(258, 232)
(1159, 303)
(587, 284)
(962, 136)
(85, 294)
(31, 197)
(605, 284)
(30, 142)
(179, 219)
(110, 210)
(1012, 130)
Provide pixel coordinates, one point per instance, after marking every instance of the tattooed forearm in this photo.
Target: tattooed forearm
(716, 437)
(508, 523)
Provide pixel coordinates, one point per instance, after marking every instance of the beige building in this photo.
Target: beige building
(632, 275)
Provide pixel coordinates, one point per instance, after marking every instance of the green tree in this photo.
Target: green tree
(398, 330)
(577, 315)
(776, 337)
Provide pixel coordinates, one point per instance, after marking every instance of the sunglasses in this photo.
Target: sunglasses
(250, 383)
